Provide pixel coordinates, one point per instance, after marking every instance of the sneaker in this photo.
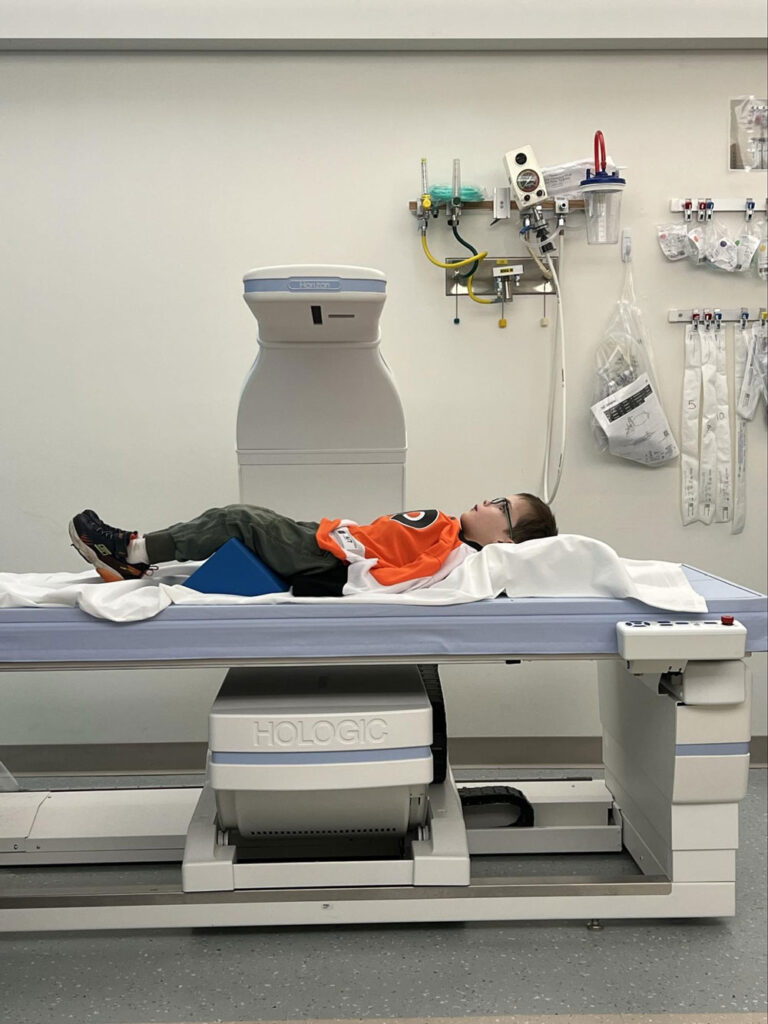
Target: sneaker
(104, 547)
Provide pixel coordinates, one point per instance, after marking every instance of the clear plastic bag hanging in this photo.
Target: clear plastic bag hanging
(628, 419)
(755, 381)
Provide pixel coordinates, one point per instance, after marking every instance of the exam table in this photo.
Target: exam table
(675, 713)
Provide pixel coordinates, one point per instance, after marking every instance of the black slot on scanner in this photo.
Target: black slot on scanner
(317, 314)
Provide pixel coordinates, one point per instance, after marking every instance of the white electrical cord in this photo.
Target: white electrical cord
(559, 336)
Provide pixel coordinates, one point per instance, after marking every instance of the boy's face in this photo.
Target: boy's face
(486, 522)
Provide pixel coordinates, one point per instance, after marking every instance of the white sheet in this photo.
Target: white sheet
(564, 566)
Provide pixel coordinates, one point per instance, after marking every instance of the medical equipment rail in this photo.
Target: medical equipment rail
(676, 733)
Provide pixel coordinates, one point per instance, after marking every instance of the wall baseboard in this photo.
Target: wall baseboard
(179, 758)
(104, 758)
(526, 751)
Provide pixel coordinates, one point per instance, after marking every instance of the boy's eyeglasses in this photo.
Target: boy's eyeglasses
(504, 504)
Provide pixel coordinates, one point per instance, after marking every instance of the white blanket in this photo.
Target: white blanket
(564, 566)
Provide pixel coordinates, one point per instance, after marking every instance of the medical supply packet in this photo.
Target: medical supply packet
(755, 374)
(674, 241)
(712, 244)
(628, 418)
(564, 180)
(635, 425)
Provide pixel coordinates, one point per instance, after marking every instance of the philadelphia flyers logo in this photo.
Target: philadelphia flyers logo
(416, 520)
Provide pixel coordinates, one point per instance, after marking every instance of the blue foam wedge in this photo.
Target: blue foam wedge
(233, 569)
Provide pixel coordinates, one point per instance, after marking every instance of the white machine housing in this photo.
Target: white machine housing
(335, 751)
(320, 425)
(324, 775)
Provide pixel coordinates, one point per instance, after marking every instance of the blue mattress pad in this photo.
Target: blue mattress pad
(335, 630)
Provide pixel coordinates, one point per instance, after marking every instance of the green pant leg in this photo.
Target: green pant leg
(286, 546)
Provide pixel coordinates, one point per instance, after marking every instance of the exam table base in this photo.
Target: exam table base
(152, 825)
(483, 899)
(676, 765)
(534, 899)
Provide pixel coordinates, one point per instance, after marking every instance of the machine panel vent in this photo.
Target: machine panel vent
(323, 832)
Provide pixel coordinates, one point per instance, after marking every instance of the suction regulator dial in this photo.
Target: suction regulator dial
(527, 180)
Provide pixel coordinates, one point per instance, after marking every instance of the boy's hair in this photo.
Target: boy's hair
(537, 521)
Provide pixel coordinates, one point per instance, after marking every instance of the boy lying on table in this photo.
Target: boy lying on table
(393, 554)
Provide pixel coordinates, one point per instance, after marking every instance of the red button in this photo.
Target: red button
(727, 620)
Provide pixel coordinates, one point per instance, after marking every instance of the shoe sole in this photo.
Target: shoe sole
(107, 574)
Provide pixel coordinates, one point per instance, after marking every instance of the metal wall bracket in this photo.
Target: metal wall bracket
(702, 208)
(728, 316)
(485, 283)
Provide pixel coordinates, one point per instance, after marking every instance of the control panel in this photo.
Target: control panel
(721, 639)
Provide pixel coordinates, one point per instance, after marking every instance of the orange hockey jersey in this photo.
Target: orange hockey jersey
(396, 552)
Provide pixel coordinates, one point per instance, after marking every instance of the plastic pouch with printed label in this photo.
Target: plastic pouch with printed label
(674, 241)
(720, 247)
(698, 243)
(628, 419)
(748, 243)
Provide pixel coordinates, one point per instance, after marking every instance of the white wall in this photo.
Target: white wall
(137, 189)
